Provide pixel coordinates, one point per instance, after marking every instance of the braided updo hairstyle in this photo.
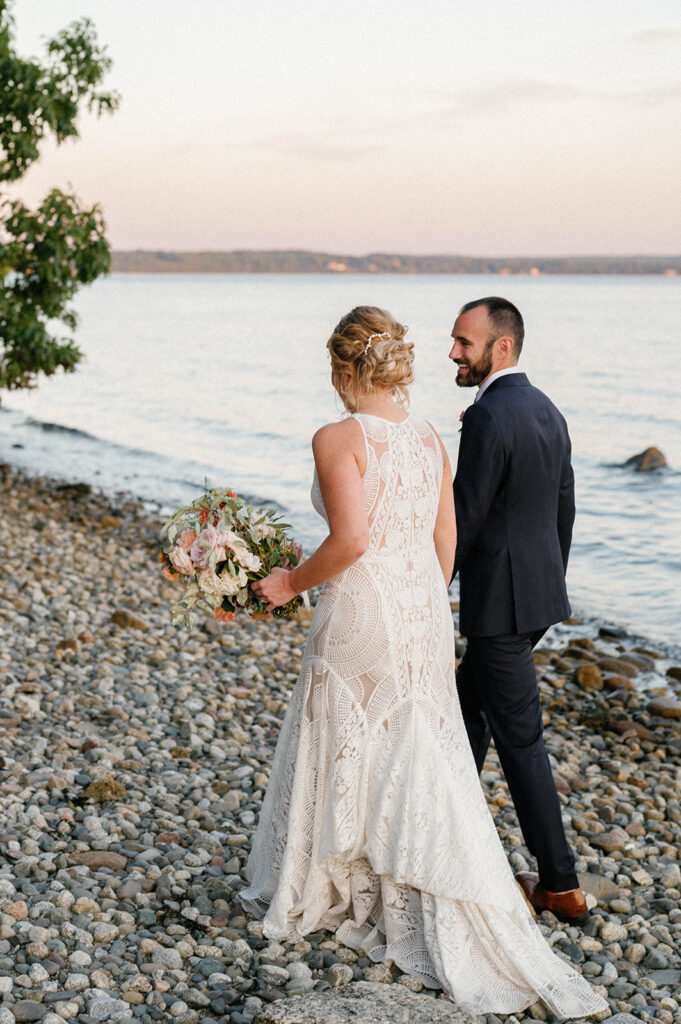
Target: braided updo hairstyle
(368, 346)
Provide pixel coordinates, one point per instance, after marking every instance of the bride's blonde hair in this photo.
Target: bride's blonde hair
(368, 347)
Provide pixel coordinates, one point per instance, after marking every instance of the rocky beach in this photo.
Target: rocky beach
(133, 761)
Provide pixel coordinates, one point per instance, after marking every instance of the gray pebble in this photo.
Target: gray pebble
(28, 1010)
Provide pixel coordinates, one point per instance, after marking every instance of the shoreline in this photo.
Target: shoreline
(134, 758)
(303, 261)
(608, 633)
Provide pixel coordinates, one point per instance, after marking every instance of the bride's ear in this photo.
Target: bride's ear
(340, 381)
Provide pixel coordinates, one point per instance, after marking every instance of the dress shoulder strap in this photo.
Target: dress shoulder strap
(360, 419)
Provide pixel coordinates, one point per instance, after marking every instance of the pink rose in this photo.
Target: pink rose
(209, 542)
(186, 539)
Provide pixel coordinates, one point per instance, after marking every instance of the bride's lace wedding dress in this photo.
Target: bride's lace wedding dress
(374, 824)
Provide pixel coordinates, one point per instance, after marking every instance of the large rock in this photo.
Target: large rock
(105, 790)
(575, 653)
(604, 889)
(641, 661)
(363, 1002)
(589, 677)
(28, 1010)
(616, 682)
(621, 1018)
(645, 461)
(615, 839)
(95, 859)
(624, 725)
(126, 620)
(110, 522)
(667, 707)
(664, 978)
(620, 666)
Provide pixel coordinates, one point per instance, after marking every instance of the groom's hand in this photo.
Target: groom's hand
(275, 589)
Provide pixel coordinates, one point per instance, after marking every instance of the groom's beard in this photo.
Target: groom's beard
(469, 375)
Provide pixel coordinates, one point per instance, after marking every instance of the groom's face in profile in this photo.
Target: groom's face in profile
(473, 347)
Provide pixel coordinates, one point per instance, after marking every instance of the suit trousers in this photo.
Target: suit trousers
(499, 698)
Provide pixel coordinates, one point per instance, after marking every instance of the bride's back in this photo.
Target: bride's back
(401, 484)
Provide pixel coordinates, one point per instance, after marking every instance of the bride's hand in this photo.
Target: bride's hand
(275, 589)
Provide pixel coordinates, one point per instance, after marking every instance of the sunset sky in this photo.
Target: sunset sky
(526, 127)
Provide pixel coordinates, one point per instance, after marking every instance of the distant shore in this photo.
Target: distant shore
(298, 261)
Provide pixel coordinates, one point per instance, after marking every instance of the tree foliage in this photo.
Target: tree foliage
(47, 253)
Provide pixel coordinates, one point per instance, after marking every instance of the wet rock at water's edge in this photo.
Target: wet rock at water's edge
(645, 461)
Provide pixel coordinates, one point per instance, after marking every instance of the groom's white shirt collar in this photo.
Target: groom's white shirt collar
(495, 376)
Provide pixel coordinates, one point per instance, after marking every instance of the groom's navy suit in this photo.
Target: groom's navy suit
(514, 497)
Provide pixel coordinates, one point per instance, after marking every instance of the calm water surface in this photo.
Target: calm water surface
(227, 377)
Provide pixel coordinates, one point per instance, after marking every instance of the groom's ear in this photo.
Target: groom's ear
(506, 346)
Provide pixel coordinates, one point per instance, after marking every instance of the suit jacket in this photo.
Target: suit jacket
(515, 508)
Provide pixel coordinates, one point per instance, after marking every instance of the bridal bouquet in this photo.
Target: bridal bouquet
(217, 547)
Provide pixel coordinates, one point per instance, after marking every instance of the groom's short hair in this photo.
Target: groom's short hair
(504, 316)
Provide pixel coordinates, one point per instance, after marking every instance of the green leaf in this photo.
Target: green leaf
(46, 254)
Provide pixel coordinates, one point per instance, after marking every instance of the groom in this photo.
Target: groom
(514, 497)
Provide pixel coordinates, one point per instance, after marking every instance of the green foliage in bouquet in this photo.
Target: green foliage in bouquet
(217, 547)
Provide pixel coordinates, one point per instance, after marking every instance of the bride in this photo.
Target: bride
(374, 824)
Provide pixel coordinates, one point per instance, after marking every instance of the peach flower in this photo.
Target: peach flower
(186, 539)
(220, 615)
(182, 562)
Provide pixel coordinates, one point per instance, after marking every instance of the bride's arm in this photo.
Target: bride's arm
(336, 451)
(444, 533)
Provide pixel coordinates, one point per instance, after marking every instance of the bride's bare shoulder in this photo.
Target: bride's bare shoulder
(344, 433)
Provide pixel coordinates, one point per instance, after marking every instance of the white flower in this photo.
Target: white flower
(264, 529)
(232, 540)
(224, 585)
(247, 559)
(241, 552)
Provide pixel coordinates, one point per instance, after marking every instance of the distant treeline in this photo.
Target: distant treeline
(301, 262)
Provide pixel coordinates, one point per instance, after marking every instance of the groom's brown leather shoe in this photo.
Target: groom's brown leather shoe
(568, 906)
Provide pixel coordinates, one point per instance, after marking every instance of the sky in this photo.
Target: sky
(506, 128)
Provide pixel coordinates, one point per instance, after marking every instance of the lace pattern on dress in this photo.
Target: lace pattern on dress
(374, 824)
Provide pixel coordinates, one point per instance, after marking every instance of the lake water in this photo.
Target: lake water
(227, 377)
